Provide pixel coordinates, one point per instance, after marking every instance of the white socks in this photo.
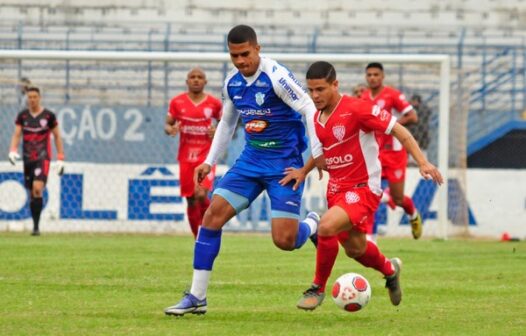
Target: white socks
(313, 225)
(200, 282)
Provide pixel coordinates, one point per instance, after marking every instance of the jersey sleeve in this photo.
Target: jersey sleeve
(217, 109)
(52, 120)
(225, 130)
(400, 103)
(172, 109)
(288, 88)
(374, 118)
(18, 119)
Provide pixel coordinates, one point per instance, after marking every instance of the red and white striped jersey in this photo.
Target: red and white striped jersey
(349, 144)
(395, 103)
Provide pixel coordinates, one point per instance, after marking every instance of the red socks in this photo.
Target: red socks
(194, 217)
(375, 259)
(195, 214)
(407, 205)
(204, 205)
(326, 254)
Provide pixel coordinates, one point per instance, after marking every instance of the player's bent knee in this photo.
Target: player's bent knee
(324, 229)
(284, 242)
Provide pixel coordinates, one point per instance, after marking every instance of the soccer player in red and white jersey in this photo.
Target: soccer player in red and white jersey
(346, 128)
(392, 154)
(190, 114)
(35, 124)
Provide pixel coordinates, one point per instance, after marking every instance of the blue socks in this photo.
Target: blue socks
(303, 234)
(206, 248)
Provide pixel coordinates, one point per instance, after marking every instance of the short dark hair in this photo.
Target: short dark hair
(322, 70)
(416, 97)
(376, 65)
(241, 34)
(34, 89)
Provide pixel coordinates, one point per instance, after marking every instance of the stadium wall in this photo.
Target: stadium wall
(145, 198)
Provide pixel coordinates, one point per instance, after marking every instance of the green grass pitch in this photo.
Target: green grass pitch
(73, 284)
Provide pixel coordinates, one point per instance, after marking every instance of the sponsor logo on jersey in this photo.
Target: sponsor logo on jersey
(291, 76)
(339, 132)
(339, 161)
(290, 91)
(235, 83)
(43, 122)
(208, 112)
(381, 103)
(265, 143)
(256, 126)
(260, 83)
(260, 98)
(376, 110)
(351, 197)
(196, 130)
(237, 97)
(249, 112)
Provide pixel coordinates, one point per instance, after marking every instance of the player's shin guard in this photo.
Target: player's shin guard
(36, 209)
(194, 217)
(326, 254)
(373, 258)
(206, 250)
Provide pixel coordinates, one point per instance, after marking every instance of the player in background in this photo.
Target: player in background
(346, 127)
(191, 114)
(358, 90)
(392, 154)
(35, 124)
(270, 102)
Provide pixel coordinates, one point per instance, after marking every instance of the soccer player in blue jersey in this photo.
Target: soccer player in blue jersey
(270, 102)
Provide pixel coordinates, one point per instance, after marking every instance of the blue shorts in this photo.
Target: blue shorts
(241, 190)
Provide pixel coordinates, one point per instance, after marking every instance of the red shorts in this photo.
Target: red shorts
(186, 178)
(360, 204)
(394, 164)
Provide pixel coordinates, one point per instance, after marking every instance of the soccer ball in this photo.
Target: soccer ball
(351, 292)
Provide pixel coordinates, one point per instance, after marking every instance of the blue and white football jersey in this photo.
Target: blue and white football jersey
(267, 103)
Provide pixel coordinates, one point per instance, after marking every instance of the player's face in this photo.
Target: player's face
(245, 57)
(323, 93)
(358, 90)
(33, 100)
(196, 81)
(374, 77)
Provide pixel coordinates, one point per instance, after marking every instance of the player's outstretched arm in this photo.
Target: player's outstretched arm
(427, 170)
(299, 174)
(60, 150)
(13, 148)
(224, 132)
